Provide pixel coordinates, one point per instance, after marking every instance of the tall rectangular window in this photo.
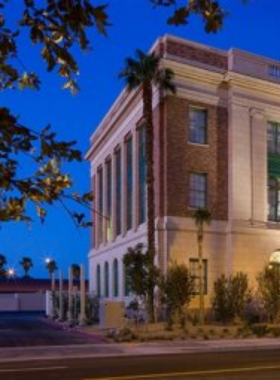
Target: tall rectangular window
(194, 270)
(142, 174)
(118, 193)
(129, 184)
(109, 198)
(274, 200)
(273, 137)
(127, 281)
(100, 205)
(198, 190)
(198, 125)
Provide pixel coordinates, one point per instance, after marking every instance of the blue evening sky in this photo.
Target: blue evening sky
(253, 27)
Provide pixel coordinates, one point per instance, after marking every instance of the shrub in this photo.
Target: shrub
(259, 329)
(269, 291)
(275, 331)
(231, 295)
(177, 292)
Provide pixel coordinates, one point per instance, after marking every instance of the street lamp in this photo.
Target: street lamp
(10, 272)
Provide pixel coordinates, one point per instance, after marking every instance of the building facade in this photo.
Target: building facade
(217, 146)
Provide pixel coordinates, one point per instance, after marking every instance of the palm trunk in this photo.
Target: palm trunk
(148, 116)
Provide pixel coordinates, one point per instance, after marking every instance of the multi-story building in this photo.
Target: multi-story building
(217, 146)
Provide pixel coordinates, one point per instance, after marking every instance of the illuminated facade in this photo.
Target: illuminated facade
(217, 146)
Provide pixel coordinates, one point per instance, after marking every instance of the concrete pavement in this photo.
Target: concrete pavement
(134, 349)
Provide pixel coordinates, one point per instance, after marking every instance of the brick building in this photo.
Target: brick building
(217, 146)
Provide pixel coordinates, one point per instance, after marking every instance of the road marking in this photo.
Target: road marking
(32, 369)
(188, 373)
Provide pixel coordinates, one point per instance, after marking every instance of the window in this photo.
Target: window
(273, 137)
(109, 197)
(98, 281)
(129, 184)
(194, 270)
(198, 125)
(100, 205)
(127, 282)
(274, 71)
(274, 200)
(115, 278)
(142, 174)
(118, 193)
(198, 190)
(106, 279)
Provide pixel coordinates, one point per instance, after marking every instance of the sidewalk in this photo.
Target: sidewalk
(131, 349)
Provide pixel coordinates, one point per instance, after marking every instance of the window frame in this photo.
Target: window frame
(195, 192)
(98, 280)
(193, 262)
(273, 143)
(142, 174)
(275, 191)
(109, 198)
(118, 163)
(115, 277)
(198, 134)
(129, 183)
(106, 280)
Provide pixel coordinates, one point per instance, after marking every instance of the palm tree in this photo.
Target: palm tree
(3, 262)
(26, 264)
(201, 217)
(51, 267)
(145, 72)
(76, 271)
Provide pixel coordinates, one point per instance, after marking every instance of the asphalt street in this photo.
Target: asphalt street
(31, 329)
(260, 365)
(33, 348)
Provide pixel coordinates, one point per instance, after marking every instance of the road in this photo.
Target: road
(259, 364)
(29, 329)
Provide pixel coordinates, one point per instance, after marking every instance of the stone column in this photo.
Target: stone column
(258, 166)
(239, 163)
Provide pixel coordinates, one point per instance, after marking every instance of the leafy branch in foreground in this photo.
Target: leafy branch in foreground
(31, 162)
(41, 180)
(210, 11)
(55, 25)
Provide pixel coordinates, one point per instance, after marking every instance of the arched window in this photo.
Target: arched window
(275, 257)
(127, 281)
(98, 281)
(106, 279)
(116, 278)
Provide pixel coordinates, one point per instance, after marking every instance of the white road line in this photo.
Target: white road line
(189, 373)
(32, 369)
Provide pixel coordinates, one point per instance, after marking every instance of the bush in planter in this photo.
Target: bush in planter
(259, 329)
(269, 291)
(177, 291)
(231, 295)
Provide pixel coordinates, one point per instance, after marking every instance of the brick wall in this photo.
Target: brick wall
(195, 53)
(183, 157)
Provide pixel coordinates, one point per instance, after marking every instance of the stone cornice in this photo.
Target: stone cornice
(253, 84)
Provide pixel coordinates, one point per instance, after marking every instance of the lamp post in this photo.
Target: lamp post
(60, 295)
(82, 296)
(52, 267)
(70, 290)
